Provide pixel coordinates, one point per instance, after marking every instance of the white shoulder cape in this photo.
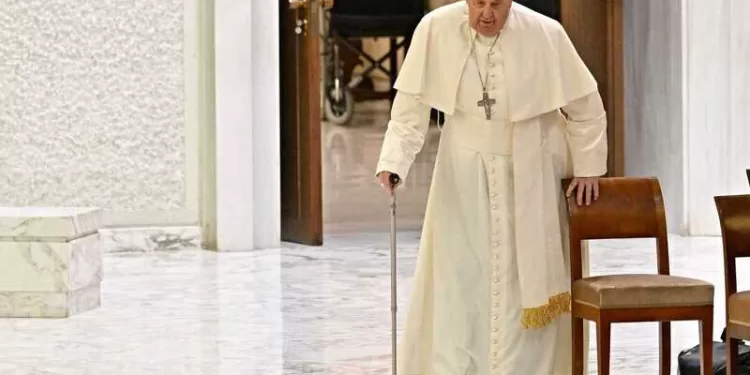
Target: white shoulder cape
(540, 63)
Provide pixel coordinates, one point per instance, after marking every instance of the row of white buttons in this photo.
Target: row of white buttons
(491, 82)
(495, 258)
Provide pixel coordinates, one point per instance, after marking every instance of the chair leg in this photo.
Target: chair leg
(603, 339)
(665, 347)
(707, 351)
(578, 365)
(393, 54)
(732, 353)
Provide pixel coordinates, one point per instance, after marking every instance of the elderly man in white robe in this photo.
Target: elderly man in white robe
(491, 293)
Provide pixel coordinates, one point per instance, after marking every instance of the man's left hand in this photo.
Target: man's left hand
(586, 189)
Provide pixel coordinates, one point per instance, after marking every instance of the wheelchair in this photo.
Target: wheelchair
(350, 21)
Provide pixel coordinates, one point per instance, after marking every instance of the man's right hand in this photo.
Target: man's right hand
(385, 182)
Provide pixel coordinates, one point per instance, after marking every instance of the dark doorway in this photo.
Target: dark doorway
(550, 8)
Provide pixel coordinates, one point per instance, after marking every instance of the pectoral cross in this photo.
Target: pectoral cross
(487, 103)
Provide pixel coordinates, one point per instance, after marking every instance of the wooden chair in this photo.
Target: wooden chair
(632, 208)
(734, 218)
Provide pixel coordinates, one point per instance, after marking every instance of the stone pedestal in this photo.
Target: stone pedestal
(50, 261)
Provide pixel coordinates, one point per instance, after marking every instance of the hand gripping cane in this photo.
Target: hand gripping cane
(394, 180)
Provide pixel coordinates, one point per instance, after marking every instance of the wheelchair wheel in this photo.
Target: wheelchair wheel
(339, 111)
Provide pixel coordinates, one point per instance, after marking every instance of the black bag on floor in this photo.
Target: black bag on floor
(689, 361)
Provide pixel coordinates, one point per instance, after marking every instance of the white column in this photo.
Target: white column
(717, 121)
(654, 128)
(247, 150)
(708, 110)
(687, 119)
(266, 124)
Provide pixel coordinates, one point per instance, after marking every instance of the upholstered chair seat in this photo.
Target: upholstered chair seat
(638, 291)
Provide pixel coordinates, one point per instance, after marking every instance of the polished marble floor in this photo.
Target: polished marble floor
(298, 310)
(288, 311)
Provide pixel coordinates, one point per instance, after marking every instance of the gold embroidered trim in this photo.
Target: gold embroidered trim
(538, 317)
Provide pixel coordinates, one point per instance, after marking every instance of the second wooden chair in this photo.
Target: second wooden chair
(734, 217)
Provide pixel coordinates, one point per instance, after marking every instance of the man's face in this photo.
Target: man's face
(488, 17)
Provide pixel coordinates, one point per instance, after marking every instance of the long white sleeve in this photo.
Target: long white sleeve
(410, 121)
(586, 133)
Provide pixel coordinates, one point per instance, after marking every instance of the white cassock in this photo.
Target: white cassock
(491, 289)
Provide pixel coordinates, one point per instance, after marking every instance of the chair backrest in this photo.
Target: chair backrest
(627, 208)
(734, 219)
(378, 7)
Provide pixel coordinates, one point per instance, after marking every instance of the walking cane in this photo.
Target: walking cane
(394, 180)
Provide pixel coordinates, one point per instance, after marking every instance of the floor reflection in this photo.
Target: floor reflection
(352, 199)
(305, 310)
(293, 311)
